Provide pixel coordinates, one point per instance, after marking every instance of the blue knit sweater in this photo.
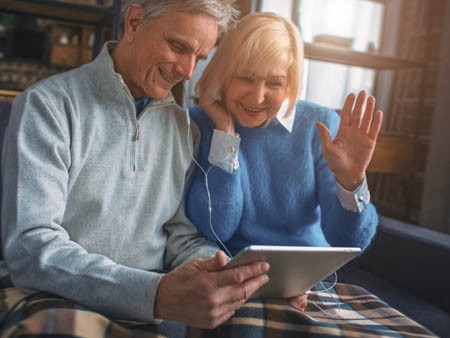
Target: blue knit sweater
(284, 192)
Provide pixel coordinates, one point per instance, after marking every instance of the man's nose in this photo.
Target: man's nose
(186, 66)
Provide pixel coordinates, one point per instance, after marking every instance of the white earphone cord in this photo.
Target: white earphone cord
(205, 173)
(330, 293)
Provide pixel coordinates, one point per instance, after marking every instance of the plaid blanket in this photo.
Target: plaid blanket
(344, 311)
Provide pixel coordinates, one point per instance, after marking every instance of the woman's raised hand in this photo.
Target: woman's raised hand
(349, 154)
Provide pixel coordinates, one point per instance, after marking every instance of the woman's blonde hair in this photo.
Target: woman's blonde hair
(258, 43)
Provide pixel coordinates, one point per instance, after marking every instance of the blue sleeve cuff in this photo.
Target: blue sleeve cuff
(224, 150)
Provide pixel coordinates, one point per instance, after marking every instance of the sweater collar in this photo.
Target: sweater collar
(109, 79)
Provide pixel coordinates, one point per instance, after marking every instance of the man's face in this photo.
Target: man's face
(166, 51)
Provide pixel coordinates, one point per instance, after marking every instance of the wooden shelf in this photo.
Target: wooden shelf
(60, 10)
(354, 58)
(8, 95)
(8, 92)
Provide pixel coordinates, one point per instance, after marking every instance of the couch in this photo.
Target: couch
(5, 108)
(408, 267)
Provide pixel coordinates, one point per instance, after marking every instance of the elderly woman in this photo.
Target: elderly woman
(279, 171)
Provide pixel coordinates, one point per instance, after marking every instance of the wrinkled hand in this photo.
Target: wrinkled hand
(299, 302)
(217, 112)
(201, 294)
(349, 154)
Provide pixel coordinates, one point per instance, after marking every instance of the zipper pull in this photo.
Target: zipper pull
(136, 135)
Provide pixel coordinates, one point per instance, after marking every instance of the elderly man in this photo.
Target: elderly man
(95, 164)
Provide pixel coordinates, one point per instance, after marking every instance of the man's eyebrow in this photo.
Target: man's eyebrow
(277, 77)
(186, 45)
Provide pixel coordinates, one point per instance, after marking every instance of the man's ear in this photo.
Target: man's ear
(134, 17)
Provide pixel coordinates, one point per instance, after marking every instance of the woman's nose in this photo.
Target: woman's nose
(258, 93)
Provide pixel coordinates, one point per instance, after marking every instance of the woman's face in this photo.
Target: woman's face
(255, 99)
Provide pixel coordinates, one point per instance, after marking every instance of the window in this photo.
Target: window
(350, 24)
(284, 8)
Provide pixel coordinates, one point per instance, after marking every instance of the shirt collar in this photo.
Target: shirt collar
(286, 121)
(141, 103)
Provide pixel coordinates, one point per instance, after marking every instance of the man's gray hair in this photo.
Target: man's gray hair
(223, 11)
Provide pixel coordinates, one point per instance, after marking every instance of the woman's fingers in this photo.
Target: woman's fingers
(352, 114)
(346, 112)
(299, 302)
(368, 114)
(355, 119)
(376, 125)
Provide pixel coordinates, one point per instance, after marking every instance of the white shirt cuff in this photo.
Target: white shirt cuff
(355, 200)
(224, 150)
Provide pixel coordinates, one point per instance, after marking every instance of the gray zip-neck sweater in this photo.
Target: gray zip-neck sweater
(93, 195)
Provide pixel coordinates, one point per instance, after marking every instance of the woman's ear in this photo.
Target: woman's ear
(134, 17)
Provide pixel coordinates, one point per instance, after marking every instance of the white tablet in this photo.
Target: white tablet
(294, 269)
